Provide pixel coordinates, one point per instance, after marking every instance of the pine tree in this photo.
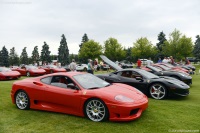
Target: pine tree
(84, 39)
(4, 57)
(63, 52)
(45, 54)
(35, 55)
(196, 50)
(13, 58)
(161, 39)
(24, 57)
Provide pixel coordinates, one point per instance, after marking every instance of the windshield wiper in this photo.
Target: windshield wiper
(93, 88)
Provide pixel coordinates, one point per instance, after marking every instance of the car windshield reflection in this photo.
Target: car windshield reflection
(89, 81)
(148, 74)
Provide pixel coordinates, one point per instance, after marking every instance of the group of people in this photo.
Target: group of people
(91, 68)
(171, 60)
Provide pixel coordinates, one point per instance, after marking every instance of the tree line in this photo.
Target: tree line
(178, 45)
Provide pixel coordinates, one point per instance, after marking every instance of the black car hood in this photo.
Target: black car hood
(109, 62)
(173, 80)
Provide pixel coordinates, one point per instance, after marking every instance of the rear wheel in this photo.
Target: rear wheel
(158, 91)
(22, 100)
(96, 110)
(85, 69)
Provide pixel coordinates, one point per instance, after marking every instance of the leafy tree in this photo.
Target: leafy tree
(24, 57)
(35, 55)
(63, 51)
(4, 57)
(143, 48)
(185, 47)
(114, 50)
(196, 50)
(45, 54)
(90, 50)
(171, 47)
(13, 57)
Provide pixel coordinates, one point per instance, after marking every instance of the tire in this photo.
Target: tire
(158, 91)
(96, 110)
(28, 74)
(22, 100)
(85, 69)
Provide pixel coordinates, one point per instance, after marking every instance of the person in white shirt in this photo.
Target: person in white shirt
(72, 65)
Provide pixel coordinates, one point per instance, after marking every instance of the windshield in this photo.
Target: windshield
(168, 65)
(89, 81)
(4, 69)
(147, 74)
(53, 66)
(31, 67)
(154, 68)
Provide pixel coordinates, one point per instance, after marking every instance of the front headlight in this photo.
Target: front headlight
(122, 98)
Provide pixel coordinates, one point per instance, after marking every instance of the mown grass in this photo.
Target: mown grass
(161, 116)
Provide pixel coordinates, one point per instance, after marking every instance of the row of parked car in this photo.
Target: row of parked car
(118, 96)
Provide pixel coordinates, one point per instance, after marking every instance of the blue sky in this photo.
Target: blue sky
(28, 23)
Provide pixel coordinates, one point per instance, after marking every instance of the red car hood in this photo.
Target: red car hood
(60, 69)
(38, 70)
(120, 89)
(11, 73)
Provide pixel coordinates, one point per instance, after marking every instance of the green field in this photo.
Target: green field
(170, 115)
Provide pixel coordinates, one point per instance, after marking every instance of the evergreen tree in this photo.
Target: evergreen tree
(84, 39)
(63, 52)
(45, 54)
(4, 57)
(161, 39)
(196, 50)
(24, 57)
(129, 54)
(35, 55)
(13, 58)
(0, 58)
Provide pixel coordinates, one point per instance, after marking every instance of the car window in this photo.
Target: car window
(46, 80)
(61, 81)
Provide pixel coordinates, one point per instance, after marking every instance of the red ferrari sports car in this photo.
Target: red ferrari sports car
(30, 71)
(52, 69)
(80, 94)
(7, 73)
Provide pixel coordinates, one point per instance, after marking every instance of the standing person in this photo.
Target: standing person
(95, 64)
(172, 60)
(90, 67)
(72, 65)
(159, 60)
(139, 62)
(149, 62)
(187, 62)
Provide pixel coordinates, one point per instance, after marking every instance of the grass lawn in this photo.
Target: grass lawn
(170, 115)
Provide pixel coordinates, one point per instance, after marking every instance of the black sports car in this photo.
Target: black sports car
(150, 84)
(178, 75)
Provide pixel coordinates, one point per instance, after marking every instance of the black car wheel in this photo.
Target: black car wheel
(158, 91)
(96, 110)
(22, 100)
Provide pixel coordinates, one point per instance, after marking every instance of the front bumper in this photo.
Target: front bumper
(127, 112)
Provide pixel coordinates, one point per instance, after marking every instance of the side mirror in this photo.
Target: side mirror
(138, 78)
(72, 86)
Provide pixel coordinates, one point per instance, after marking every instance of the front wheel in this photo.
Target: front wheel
(22, 100)
(96, 110)
(158, 91)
